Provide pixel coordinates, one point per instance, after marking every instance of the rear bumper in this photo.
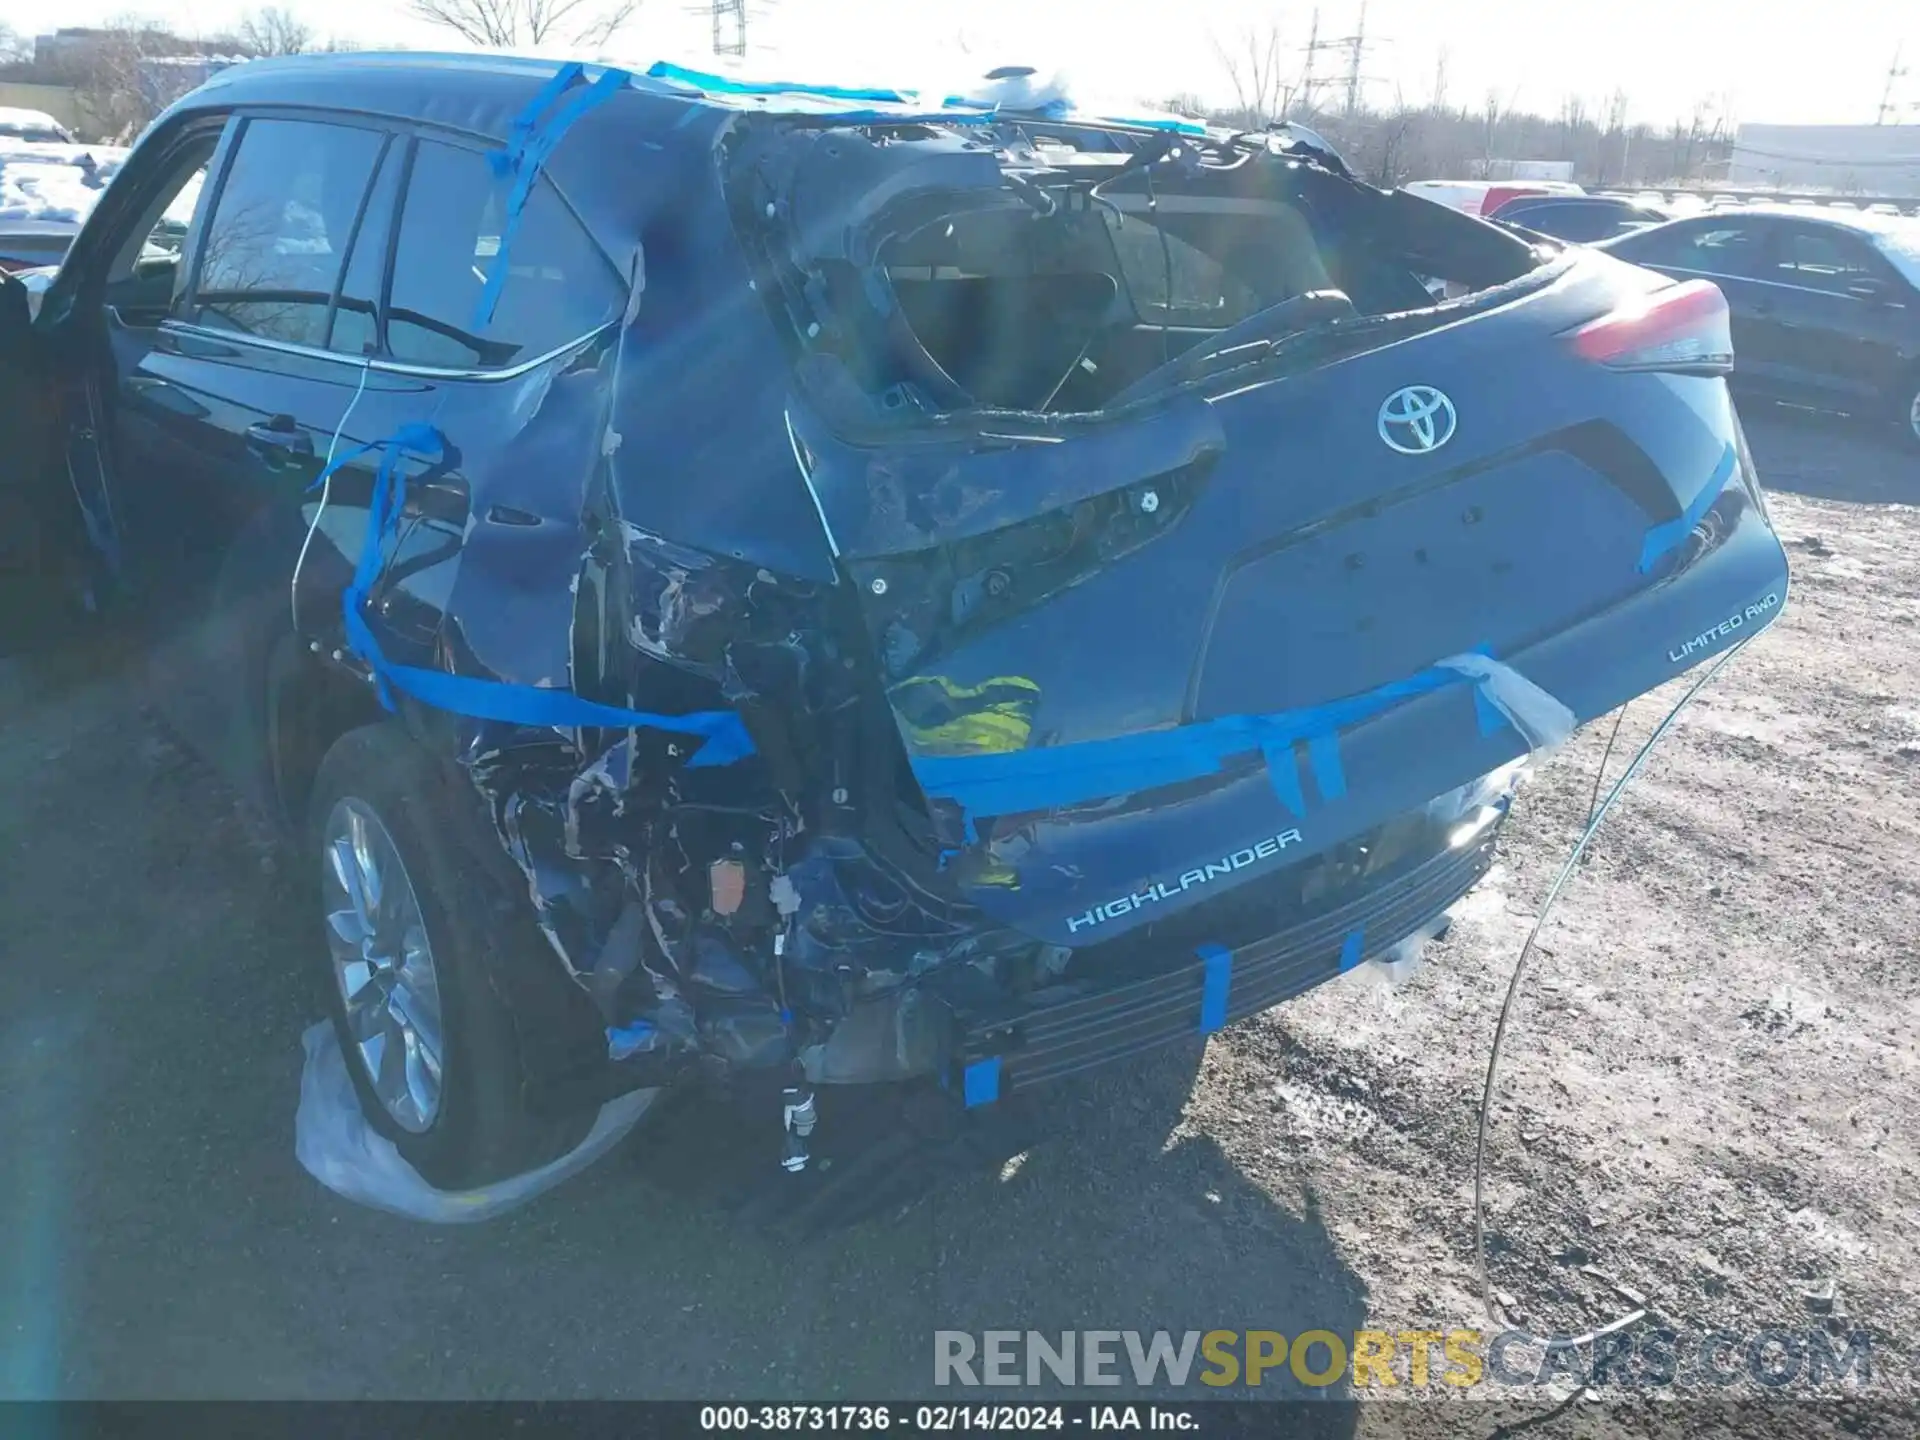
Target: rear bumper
(1061, 1032)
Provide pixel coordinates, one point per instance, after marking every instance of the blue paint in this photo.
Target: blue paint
(1664, 537)
(723, 734)
(1214, 987)
(980, 1082)
(530, 141)
(1351, 950)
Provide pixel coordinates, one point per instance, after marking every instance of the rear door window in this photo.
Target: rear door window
(1578, 223)
(559, 286)
(1826, 260)
(355, 326)
(281, 226)
(1714, 247)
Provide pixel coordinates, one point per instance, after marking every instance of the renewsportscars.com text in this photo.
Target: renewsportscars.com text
(1389, 1359)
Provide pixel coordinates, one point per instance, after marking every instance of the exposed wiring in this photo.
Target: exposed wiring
(326, 492)
(1513, 989)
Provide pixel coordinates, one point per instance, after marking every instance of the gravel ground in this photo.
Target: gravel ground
(1706, 1099)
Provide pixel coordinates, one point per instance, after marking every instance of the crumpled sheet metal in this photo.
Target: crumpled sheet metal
(335, 1144)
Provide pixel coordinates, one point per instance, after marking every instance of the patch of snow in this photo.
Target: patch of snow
(49, 182)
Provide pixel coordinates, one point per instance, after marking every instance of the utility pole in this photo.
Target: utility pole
(730, 27)
(729, 21)
(1355, 48)
(1306, 74)
(1894, 72)
(1357, 43)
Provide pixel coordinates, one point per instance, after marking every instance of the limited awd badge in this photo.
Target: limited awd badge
(1416, 419)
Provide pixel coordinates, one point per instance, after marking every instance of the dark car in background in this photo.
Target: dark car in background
(1582, 219)
(831, 588)
(1825, 303)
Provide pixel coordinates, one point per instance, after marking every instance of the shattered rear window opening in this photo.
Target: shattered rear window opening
(956, 268)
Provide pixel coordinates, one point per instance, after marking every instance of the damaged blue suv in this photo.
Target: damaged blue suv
(844, 586)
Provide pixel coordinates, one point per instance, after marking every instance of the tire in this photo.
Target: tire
(510, 1024)
(1906, 409)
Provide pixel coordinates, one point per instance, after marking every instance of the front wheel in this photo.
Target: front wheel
(446, 1002)
(1906, 408)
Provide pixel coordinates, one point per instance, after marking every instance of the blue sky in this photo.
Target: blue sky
(1771, 61)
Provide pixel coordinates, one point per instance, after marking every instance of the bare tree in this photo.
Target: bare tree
(14, 48)
(1617, 137)
(113, 88)
(1256, 71)
(1397, 137)
(273, 31)
(509, 23)
(1491, 115)
(1440, 64)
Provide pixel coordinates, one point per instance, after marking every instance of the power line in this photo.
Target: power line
(1894, 72)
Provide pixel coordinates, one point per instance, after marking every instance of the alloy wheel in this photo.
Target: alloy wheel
(383, 964)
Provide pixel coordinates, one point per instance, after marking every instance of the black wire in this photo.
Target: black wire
(1166, 256)
(1572, 863)
(1605, 755)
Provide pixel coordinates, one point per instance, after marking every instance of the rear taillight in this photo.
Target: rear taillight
(1681, 328)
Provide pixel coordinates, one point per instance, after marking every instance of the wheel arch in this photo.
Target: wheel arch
(310, 702)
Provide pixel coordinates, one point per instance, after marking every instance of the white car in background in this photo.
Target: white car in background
(32, 125)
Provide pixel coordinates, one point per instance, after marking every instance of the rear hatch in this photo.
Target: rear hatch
(1126, 643)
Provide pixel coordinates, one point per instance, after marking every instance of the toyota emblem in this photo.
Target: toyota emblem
(1417, 419)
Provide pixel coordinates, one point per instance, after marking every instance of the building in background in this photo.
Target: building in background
(1849, 159)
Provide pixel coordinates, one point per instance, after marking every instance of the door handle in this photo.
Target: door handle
(278, 438)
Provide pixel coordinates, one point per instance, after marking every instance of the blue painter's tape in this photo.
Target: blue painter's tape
(711, 84)
(628, 1040)
(530, 140)
(980, 1082)
(1323, 751)
(722, 733)
(1043, 779)
(1214, 987)
(1351, 950)
(1487, 713)
(861, 105)
(1284, 775)
(1664, 537)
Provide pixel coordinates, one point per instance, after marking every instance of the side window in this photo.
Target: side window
(281, 226)
(355, 329)
(145, 281)
(1715, 247)
(558, 285)
(1202, 293)
(1565, 222)
(1824, 260)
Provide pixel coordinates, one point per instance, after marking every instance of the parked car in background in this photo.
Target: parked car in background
(1582, 219)
(1825, 303)
(1483, 197)
(32, 125)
